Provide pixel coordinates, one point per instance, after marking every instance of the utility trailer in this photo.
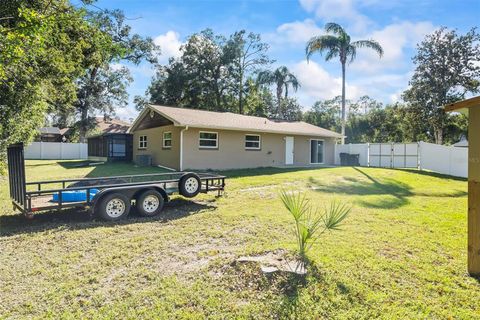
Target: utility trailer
(110, 198)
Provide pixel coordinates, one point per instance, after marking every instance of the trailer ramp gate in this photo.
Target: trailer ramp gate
(16, 175)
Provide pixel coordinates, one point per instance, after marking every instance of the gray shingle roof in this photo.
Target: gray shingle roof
(49, 130)
(232, 121)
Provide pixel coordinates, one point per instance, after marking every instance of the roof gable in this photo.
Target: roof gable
(231, 121)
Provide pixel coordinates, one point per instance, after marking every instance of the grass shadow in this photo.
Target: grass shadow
(432, 174)
(74, 164)
(75, 219)
(396, 193)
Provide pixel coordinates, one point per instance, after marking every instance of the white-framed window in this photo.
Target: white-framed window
(167, 140)
(252, 142)
(208, 140)
(142, 142)
(316, 151)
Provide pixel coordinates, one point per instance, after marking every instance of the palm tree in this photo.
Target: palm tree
(338, 44)
(282, 78)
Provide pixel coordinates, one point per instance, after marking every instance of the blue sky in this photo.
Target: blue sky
(287, 24)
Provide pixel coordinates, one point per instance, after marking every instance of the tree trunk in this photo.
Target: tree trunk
(83, 124)
(240, 94)
(438, 132)
(343, 103)
(279, 100)
(85, 107)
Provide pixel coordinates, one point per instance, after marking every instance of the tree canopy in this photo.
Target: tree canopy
(447, 69)
(41, 44)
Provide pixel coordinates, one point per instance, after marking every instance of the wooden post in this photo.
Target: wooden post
(474, 192)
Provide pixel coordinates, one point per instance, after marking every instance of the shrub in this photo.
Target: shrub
(309, 223)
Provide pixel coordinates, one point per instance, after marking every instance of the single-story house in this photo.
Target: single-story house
(53, 134)
(182, 139)
(113, 143)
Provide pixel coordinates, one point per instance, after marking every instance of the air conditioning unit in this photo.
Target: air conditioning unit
(144, 160)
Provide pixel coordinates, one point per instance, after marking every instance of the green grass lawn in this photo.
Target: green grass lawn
(401, 253)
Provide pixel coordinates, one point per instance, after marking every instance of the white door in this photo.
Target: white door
(288, 150)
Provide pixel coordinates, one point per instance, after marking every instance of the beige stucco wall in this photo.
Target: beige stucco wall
(231, 152)
(160, 156)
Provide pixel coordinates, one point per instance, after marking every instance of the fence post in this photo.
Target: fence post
(419, 155)
(334, 153)
(368, 154)
(41, 150)
(450, 155)
(392, 155)
(61, 150)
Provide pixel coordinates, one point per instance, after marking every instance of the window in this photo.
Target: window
(252, 142)
(142, 142)
(167, 140)
(117, 147)
(208, 140)
(316, 151)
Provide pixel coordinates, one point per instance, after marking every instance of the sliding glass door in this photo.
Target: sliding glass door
(316, 151)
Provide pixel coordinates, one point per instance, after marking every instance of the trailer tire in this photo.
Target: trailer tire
(113, 206)
(150, 203)
(189, 185)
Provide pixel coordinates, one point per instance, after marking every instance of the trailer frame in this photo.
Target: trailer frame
(25, 199)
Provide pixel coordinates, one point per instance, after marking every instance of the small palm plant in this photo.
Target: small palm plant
(309, 223)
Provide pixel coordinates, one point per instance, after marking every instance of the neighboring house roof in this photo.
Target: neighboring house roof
(49, 130)
(65, 131)
(232, 121)
(462, 143)
(111, 125)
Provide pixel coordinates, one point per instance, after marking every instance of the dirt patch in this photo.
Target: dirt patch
(250, 274)
(185, 262)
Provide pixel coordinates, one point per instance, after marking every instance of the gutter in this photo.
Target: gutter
(181, 147)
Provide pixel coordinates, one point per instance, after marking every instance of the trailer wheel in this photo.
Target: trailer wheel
(189, 185)
(150, 203)
(113, 207)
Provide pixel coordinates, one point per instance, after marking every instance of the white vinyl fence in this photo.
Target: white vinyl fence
(56, 151)
(444, 159)
(422, 155)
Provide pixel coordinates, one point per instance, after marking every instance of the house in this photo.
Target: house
(53, 134)
(182, 138)
(113, 143)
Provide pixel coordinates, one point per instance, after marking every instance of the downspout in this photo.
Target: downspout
(181, 147)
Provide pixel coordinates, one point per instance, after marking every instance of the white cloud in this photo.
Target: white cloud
(386, 87)
(318, 84)
(333, 10)
(298, 31)
(116, 66)
(395, 39)
(127, 113)
(169, 45)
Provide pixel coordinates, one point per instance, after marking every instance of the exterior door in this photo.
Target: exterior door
(289, 150)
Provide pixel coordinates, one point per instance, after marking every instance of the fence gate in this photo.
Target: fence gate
(393, 155)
